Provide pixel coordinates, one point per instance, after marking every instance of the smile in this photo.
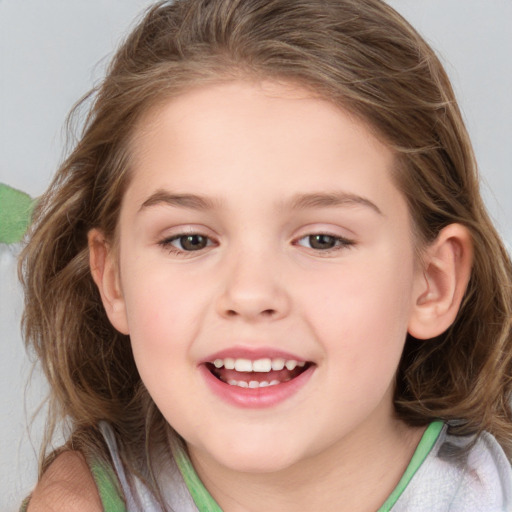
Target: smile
(258, 373)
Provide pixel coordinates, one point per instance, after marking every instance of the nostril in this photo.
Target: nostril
(265, 312)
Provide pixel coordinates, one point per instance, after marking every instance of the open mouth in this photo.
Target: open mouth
(259, 373)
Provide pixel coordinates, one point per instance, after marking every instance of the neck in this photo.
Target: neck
(356, 474)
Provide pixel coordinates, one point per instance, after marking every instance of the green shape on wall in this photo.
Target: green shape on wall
(15, 212)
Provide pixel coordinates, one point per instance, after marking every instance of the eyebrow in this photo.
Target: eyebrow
(331, 199)
(298, 202)
(191, 201)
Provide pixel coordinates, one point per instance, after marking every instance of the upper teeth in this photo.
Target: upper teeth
(259, 365)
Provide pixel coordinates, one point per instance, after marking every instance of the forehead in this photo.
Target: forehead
(226, 137)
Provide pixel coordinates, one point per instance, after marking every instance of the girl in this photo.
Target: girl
(265, 279)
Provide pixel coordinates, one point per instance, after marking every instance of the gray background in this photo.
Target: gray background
(52, 52)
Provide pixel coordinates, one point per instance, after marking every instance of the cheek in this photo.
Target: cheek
(362, 315)
(163, 311)
(161, 328)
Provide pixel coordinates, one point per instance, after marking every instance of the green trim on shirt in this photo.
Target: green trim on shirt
(423, 449)
(108, 488)
(202, 498)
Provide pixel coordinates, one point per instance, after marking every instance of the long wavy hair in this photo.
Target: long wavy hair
(358, 54)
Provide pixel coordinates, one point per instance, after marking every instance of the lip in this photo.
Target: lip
(255, 398)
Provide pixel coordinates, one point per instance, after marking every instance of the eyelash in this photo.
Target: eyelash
(340, 243)
(168, 243)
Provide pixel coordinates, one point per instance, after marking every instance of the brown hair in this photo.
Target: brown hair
(358, 54)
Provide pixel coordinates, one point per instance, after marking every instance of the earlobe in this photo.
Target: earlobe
(442, 282)
(105, 273)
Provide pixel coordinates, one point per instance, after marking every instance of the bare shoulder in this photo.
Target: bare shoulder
(67, 485)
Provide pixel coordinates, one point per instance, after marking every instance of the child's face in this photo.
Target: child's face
(262, 224)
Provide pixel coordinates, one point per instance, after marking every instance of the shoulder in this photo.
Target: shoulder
(461, 473)
(477, 472)
(491, 467)
(67, 485)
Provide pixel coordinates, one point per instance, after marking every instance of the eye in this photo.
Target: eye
(187, 243)
(324, 242)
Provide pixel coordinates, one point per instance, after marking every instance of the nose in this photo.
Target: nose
(253, 289)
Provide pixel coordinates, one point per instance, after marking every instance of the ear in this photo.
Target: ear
(441, 282)
(105, 272)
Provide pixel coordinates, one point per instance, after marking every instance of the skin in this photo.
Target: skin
(66, 485)
(259, 283)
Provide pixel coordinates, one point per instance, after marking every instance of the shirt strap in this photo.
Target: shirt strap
(108, 488)
(202, 498)
(424, 447)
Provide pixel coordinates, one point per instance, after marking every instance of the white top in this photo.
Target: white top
(451, 478)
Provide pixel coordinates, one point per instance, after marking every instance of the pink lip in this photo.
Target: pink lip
(255, 398)
(252, 354)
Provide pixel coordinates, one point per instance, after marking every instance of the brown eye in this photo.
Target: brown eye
(192, 242)
(322, 241)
